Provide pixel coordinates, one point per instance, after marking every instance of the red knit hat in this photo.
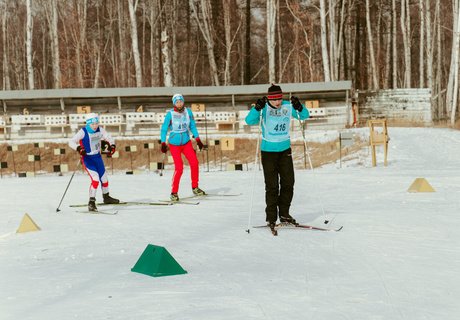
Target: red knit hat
(275, 92)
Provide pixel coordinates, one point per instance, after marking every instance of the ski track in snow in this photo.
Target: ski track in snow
(397, 256)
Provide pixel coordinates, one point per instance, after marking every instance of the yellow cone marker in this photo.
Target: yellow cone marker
(420, 185)
(27, 225)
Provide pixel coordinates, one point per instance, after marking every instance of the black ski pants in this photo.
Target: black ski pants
(279, 183)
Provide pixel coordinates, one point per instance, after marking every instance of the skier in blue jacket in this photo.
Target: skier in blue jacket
(179, 121)
(275, 114)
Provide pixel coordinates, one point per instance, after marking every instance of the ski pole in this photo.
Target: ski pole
(255, 172)
(311, 165)
(78, 166)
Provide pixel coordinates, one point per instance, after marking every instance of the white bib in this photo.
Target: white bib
(277, 123)
(180, 121)
(94, 140)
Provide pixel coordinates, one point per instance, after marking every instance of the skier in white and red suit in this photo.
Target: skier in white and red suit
(87, 142)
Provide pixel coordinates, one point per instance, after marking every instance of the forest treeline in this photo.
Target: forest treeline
(378, 44)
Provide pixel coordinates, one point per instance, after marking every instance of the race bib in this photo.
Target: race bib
(94, 142)
(278, 123)
(180, 121)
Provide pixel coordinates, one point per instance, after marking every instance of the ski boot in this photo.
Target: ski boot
(198, 192)
(109, 200)
(272, 226)
(92, 204)
(288, 220)
(174, 197)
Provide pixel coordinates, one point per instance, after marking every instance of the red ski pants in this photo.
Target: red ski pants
(189, 153)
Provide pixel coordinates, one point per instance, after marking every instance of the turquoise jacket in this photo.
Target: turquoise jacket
(253, 118)
(178, 138)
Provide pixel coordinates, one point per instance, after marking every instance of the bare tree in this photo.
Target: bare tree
(453, 60)
(279, 45)
(51, 12)
(394, 35)
(166, 52)
(332, 36)
(429, 46)
(229, 40)
(54, 35)
(388, 39)
(166, 59)
(422, 44)
(247, 45)
(339, 39)
(375, 82)
(106, 44)
(80, 38)
(153, 19)
(405, 29)
(174, 15)
(44, 50)
(6, 63)
(440, 101)
(299, 23)
(271, 42)
(455, 50)
(324, 51)
(97, 50)
(132, 6)
(204, 22)
(29, 52)
(120, 46)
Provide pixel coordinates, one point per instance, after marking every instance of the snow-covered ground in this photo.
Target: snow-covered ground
(397, 257)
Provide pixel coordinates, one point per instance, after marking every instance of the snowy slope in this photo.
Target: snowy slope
(397, 256)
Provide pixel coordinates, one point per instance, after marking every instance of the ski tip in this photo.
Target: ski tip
(339, 229)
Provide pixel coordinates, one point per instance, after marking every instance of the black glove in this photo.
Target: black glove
(112, 148)
(199, 143)
(296, 104)
(260, 104)
(81, 150)
(164, 148)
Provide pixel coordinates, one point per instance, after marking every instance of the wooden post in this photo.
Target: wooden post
(200, 107)
(378, 137)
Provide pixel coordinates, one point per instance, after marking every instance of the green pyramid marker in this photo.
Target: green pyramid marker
(156, 261)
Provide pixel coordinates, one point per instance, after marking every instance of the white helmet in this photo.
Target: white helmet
(92, 118)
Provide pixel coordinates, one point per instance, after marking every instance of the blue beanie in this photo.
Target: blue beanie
(176, 97)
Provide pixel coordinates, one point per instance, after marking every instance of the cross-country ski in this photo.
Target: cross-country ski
(186, 202)
(125, 203)
(108, 212)
(300, 226)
